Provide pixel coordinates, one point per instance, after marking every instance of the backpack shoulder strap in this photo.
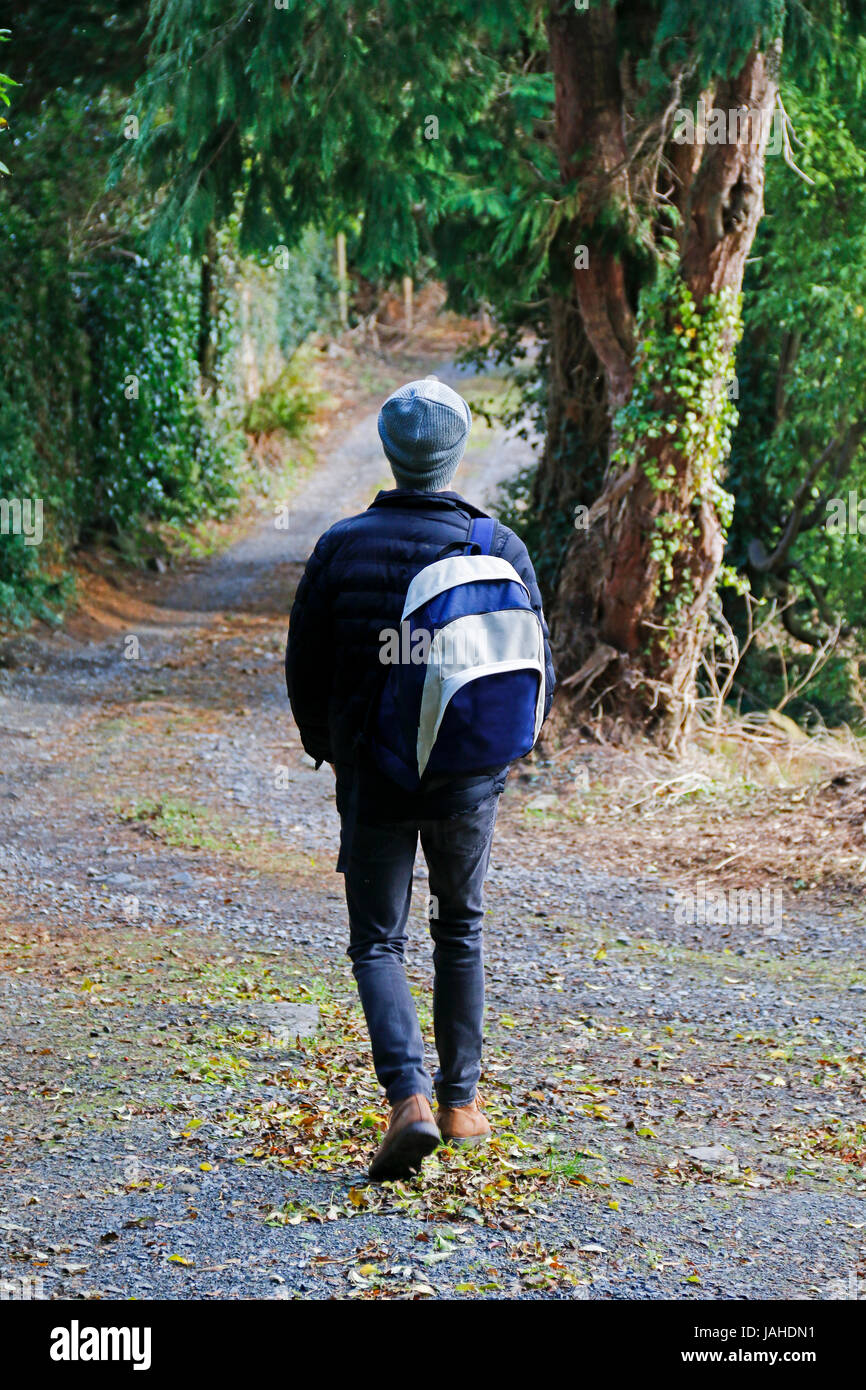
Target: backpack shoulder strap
(479, 538)
(481, 532)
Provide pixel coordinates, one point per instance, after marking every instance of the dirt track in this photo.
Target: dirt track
(188, 1102)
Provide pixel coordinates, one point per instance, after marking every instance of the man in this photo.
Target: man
(353, 589)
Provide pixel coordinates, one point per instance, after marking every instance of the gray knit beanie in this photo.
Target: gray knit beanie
(424, 427)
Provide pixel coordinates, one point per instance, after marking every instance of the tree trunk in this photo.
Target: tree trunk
(630, 610)
(208, 311)
(572, 467)
(408, 303)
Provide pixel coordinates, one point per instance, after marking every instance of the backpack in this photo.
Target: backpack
(463, 688)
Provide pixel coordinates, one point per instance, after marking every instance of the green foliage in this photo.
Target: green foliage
(316, 114)
(88, 46)
(157, 452)
(101, 413)
(306, 291)
(800, 374)
(683, 368)
(503, 209)
(681, 398)
(287, 404)
(81, 313)
(42, 426)
(5, 83)
(713, 43)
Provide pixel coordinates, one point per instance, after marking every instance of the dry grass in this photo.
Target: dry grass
(753, 801)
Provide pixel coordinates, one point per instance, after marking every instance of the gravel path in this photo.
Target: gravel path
(188, 1103)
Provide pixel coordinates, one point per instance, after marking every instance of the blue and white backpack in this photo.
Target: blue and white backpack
(464, 685)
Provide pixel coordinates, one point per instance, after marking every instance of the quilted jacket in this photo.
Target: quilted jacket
(353, 587)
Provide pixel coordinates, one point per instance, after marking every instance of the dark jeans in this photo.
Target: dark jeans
(378, 867)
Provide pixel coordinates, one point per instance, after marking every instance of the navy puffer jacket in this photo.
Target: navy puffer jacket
(354, 585)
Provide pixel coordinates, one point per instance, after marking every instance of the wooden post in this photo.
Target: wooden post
(209, 305)
(407, 302)
(342, 283)
(249, 365)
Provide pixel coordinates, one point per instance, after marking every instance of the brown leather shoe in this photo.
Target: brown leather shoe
(463, 1124)
(410, 1137)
